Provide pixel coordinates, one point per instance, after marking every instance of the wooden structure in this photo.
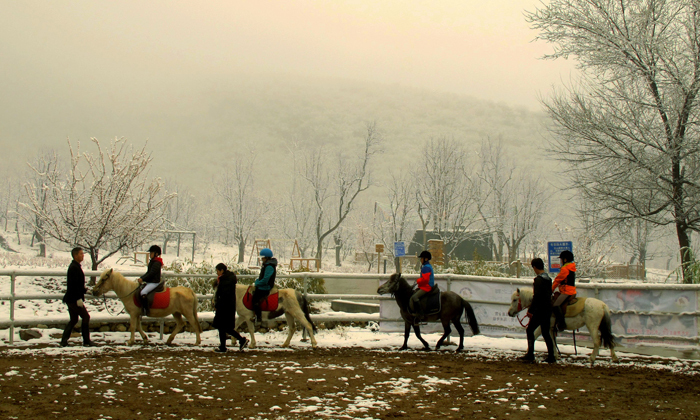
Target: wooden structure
(258, 245)
(303, 262)
(436, 248)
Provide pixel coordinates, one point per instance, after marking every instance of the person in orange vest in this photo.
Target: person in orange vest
(564, 288)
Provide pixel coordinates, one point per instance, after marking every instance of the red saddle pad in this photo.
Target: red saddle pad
(160, 301)
(269, 304)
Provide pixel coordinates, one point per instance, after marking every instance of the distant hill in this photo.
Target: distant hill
(193, 130)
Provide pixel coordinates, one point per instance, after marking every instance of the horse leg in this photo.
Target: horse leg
(132, 328)
(595, 338)
(446, 333)
(251, 330)
(198, 328)
(405, 337)
(179, 323)
(297, 313)
(416, 329)
(139, 327)
(460, 330)
(291, 328)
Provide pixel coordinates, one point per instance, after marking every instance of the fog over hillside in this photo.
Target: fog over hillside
(192, 132)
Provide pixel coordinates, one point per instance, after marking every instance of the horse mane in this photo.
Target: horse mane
(118, 280)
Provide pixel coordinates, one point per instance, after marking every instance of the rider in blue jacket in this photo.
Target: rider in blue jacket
(265, 281)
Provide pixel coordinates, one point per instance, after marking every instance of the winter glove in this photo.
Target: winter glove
(80, 303)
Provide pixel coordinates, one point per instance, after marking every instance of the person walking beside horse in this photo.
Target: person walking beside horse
(75, 299)
(225, 307)
(151, 279)
(265, 282)
(565, 281)
(540, 312)
(425, 283)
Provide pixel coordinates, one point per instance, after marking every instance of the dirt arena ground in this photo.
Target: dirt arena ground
(165, 383)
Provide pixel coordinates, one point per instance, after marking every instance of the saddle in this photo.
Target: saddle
(430, 304)
(574, 307)
(269, 304)
(158, 298)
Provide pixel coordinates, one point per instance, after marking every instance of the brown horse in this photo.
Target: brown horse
(183, 301)
(452, 308)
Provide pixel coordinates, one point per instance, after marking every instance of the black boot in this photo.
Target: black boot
(530, 355)
(66, 335)
(559, 316)
(85, 329)
(144, 305)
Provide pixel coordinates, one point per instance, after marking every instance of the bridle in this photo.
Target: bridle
(104, 300)
(520, 308)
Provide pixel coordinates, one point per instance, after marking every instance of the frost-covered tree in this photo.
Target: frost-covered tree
(628, 131)
(513, 201)
(104, 202)
(37, 179)
(335, 187)
(242, 208)
(445, 197)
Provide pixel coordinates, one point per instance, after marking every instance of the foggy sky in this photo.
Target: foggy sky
(125, 58)
(477, 48)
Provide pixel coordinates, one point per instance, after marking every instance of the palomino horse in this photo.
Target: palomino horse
(595, 316)
(183, 302)
(292, 304)
(452, 307)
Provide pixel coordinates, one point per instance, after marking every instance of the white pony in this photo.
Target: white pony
(595, 316)
(291, 303)
(183, 302)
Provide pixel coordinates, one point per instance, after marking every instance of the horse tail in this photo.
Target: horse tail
(194, 311)
(304, 303)
(605, 329)
(471, 317)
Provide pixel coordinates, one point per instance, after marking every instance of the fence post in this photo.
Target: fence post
(12, 308)
(303, 334)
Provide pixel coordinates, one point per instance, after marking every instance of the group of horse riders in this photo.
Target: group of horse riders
(150, 283)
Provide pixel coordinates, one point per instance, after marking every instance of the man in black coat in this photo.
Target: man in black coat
(540, 313)
(225, 306)
(75, 299)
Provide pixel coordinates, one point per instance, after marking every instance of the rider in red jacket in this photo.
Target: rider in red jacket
(566, 283)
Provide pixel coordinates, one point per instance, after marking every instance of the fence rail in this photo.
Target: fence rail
(596, 288)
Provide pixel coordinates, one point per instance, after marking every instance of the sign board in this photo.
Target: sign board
(399, 249)
(553, 251)
(379, 248)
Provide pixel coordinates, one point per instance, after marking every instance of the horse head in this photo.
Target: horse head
(391, 286)
(515, 304)
(104, 283)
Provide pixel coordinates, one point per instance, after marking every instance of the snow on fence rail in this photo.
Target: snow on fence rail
(642, 314)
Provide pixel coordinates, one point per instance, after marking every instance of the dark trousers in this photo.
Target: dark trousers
(258, 297)
(541, 320)
(413, 304)
(76, 311)
(232, 332)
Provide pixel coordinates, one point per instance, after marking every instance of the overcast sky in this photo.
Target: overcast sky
(478, 48)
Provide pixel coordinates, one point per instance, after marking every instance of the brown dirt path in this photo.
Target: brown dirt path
(159, 383)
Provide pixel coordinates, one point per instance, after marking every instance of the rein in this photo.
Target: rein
(104, 299)
(520, 320)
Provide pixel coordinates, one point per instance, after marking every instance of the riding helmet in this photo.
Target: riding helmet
(567, 255)
(155, 248)
(426, 254)
(266, 252)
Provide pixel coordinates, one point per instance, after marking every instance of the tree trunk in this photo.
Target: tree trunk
(319, 250)
(686, 253)
(94, 255)
(241, 251)
(42, 245)
(338, 247)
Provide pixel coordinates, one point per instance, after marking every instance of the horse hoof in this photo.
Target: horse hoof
(403, 348)
(425, 349)
(459, 349)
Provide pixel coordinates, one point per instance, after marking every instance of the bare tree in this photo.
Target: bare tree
(629, 131)
(37, 179)
(335, 188)
(181, 212)
(104, 203)
(445, 197)
(514, 200)
(243, 208)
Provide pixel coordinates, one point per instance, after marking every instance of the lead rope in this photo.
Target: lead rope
(104, 299)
